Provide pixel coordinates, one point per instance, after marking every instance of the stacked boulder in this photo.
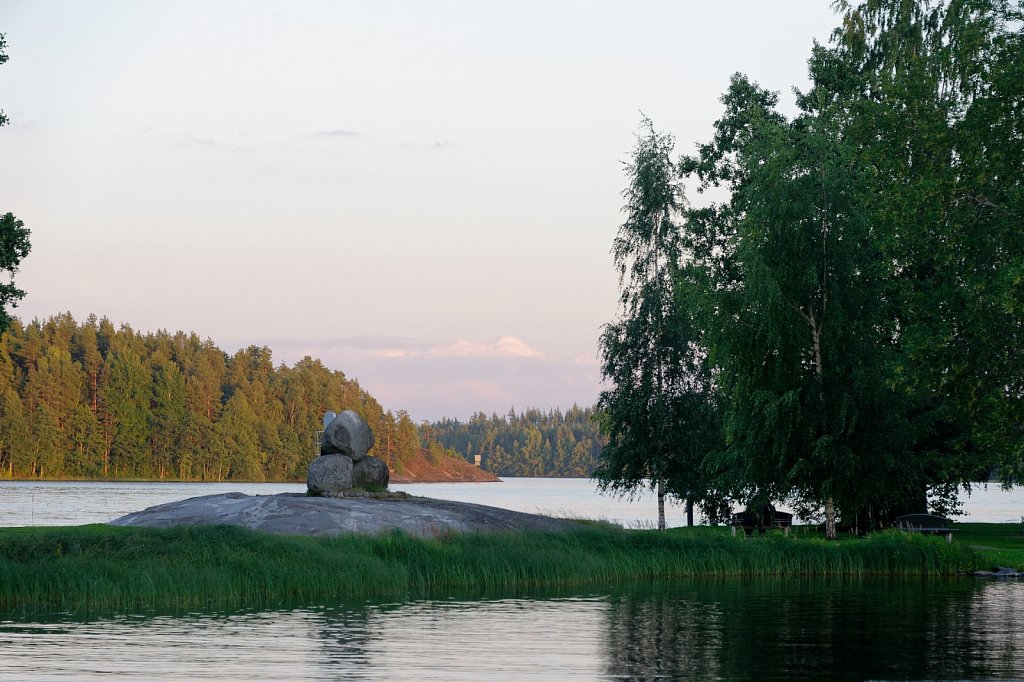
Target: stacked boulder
(343, 463)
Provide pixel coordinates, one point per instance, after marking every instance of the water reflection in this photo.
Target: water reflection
(806, 630)
(509, 639)
(726, 630)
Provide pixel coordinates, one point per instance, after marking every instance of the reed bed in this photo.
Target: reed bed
(105, 568)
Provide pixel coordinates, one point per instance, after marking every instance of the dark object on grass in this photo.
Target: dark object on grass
(761, 520)
(928, 524)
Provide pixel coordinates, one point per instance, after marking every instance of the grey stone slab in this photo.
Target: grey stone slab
(297, 514)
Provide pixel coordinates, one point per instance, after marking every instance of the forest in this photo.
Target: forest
(528, 443)
(88, 400)
(91, 401)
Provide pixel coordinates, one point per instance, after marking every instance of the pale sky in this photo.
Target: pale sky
(421, 194)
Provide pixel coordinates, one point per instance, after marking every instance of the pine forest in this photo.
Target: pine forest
(88, 400)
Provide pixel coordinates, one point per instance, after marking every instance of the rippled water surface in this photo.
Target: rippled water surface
(957, 629)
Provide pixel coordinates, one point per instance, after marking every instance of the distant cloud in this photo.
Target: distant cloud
(337, 132)
(190, 140)
(389, 353)
(505, 347)
(202, 141)
(436, 146)
(398, 348)
(586, 360)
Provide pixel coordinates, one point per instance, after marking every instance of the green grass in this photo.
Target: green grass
(103, 568)
(1000, 544)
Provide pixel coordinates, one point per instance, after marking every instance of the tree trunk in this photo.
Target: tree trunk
(830, 519)
(661, 502)
(689, 513)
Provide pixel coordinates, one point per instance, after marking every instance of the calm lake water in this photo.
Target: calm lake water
(60, 503)
(963, 629)
(727, 630)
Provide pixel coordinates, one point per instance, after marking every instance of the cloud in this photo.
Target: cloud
(505, 347)
(436, 146)
(586, 360)
(202, 141)
(398, 348)
(389, 353)
(190, 140)
(337, 132)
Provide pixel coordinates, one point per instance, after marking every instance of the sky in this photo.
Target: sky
(421, 194)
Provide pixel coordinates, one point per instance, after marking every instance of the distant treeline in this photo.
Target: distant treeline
(530, 443)
(91, 401)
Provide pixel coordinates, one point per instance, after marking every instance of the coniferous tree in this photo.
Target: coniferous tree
(126, 399)
(14, 435)
(46, 449)
(167, 416)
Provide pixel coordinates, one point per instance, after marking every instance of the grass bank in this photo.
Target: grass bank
(105, 568)
(1000, 544)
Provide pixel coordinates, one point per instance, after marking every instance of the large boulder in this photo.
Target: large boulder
(329, 474)
(347, 434)
(370, 473)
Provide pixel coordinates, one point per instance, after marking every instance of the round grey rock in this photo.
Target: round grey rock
(370, 472)
(347, 434)
(329, 474)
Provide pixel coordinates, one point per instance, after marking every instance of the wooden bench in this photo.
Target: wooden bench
(928, 524)
(750, 521)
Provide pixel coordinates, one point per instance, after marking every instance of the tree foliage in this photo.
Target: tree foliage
(658, 412)
(531, 443)
(14, 242)
(932, 99)
(91, 401)
(794, 308)
(858, 291)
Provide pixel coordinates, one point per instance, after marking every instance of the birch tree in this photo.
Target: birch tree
(647, 355)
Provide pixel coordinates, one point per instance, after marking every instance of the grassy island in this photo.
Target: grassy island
(99, 567)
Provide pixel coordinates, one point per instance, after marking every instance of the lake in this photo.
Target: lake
(62, 503)
(964, 629)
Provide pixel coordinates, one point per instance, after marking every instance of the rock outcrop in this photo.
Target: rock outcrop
(297, 514)
(343, 463)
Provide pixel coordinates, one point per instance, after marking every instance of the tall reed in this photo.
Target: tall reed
(110, 568)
